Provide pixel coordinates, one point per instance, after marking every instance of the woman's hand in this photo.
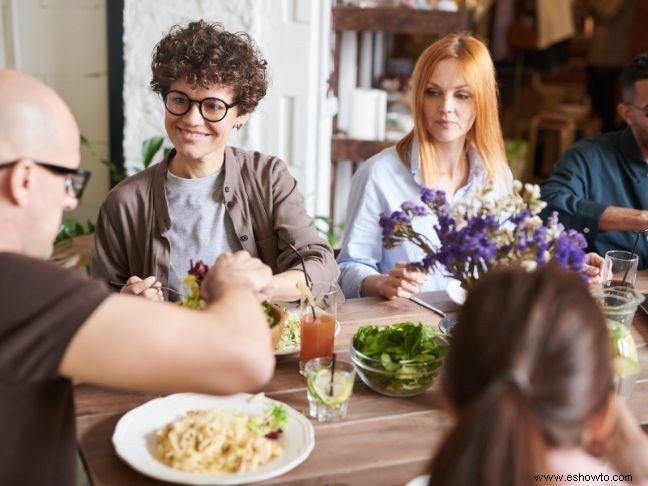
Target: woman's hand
(401, 282)
(149, 288)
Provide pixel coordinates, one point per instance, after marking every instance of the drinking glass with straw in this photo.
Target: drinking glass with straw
(318, 304)
(633, 252)
(318, 320)
(620, 267)
(329, 387)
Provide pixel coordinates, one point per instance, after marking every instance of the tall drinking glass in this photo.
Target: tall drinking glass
(620, 269)
(619, 305)
(317, 327)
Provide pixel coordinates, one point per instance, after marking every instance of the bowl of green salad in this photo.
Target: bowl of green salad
(400, 360)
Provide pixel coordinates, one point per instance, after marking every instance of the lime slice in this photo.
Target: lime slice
(319, 384)
(625, 360)
(305, 291)
(624, 367)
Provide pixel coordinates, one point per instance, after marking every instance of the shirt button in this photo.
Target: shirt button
(585, 230)
(229, 204)
(226, 188)
(244, 238)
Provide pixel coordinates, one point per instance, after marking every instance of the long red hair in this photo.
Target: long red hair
(486, 133)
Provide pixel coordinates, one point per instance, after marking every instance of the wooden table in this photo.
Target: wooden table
(383, 440)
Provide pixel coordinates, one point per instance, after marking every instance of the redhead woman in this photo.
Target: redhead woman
(537, 398)
(207, 197)
(455, 145)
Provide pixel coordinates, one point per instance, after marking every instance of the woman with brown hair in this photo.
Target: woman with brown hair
(206, 197)
(456, 144)
(529, 382)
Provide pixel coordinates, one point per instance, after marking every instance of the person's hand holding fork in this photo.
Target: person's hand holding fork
(149, 288)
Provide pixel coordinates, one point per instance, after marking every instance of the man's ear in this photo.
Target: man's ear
(20, 181)
(624, 112)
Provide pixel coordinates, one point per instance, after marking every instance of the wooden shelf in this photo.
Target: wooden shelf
(356, 150)
(398, 20)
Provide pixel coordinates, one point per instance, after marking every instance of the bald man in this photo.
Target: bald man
(56, 325)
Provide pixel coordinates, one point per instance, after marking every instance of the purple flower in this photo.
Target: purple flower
(568, 251)
(434, 198)
(387, 225)
(415, 210)
(395, 228)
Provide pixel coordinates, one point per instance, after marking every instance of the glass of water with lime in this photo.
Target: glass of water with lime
(619, 305)
(329, 389)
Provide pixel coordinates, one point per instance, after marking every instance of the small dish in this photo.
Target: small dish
(448, 323)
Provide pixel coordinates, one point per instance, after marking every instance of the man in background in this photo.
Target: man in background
(56, 325)
(600, 185)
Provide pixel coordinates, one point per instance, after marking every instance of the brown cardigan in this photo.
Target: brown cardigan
(261, 198)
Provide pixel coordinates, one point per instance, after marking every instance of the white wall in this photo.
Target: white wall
(63, 43)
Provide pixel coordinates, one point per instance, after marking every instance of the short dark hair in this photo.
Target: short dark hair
(633, 72)
(206, 54)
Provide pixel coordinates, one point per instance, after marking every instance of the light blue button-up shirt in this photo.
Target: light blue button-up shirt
(381, 185)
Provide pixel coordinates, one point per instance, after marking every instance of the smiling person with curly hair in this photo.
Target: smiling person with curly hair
(206, 197)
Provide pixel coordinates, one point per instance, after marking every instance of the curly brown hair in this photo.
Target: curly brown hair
(205, 54)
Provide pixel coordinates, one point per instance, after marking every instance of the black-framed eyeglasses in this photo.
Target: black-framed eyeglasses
(75, 179)
(212, 109)
(643, 111)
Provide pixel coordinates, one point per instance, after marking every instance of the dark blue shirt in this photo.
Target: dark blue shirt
(601, 171)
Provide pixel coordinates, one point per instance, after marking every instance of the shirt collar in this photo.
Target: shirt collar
(631, 153)
(629, 146)
(477, 172)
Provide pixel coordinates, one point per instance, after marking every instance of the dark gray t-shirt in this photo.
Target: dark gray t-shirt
(201, 228)
(42, 306)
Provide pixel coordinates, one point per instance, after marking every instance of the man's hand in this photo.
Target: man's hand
(149, 288)
(401, 282)
(237, 270)
(593, 267)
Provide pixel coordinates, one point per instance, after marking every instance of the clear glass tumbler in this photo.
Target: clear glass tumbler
(329, 391)
(619, 269)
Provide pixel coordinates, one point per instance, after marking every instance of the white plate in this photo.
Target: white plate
(294, 309)
(422, 480)
(134, 437)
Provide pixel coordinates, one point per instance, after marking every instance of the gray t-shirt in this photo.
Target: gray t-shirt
(201, 228)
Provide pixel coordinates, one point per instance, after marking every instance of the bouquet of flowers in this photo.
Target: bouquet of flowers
(481, 232)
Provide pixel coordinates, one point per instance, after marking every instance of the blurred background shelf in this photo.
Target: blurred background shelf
(398, 20)
(356, 150)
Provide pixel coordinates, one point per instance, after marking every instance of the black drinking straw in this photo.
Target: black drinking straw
(632, 252)
(332, 373)
(309, 281)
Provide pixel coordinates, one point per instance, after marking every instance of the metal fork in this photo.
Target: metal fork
(120, 284)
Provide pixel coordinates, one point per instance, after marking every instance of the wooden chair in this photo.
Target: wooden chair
(563, 125)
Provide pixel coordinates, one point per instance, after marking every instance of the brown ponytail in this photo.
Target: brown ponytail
(528, 366)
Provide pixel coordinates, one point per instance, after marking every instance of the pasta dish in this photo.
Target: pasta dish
(221, 441)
